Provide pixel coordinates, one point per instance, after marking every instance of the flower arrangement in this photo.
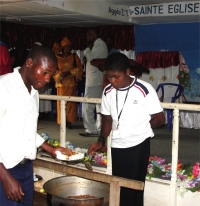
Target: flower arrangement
(188, 177)
(99, 158)
(184, 76)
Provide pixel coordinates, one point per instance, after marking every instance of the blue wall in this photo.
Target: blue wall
(183, 37)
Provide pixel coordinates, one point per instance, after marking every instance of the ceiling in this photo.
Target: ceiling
(82, 13)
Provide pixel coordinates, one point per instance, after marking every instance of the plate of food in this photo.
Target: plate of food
(69, 155)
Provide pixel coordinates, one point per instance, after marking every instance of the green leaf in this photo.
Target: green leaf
(149, 176)
(185, 166)
(187, 171)
(157, 172)
(86, 159)
(194, 189)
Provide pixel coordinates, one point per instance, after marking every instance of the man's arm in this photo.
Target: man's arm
(99, 50)
(99, 63)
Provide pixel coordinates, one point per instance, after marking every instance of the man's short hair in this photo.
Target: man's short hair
(42, 51)
(94, 30)
(117, 62)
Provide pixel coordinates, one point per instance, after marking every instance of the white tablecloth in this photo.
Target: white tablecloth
(189, 119)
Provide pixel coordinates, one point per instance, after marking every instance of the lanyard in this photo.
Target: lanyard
(123, 104)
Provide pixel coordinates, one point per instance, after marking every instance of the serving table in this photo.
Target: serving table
(156, 190)
(50, 168)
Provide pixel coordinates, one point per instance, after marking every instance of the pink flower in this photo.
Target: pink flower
(196, 170)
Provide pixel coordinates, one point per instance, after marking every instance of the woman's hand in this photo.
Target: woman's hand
(62, 75)
(95, 147)
(59, 80)
(65, 74)
(77, 79)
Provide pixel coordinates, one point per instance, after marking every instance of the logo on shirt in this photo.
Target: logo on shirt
(135, 102)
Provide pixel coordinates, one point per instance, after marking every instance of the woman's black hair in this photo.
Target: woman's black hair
(117, 62)
(41, 51)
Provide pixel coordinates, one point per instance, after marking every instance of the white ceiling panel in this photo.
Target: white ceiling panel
(54, 13)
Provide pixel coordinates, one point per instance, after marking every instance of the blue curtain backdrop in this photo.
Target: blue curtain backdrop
(183, 37)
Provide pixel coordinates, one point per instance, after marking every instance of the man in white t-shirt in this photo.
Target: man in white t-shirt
(130, 109)
(93, 83)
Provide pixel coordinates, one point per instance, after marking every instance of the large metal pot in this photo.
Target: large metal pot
(59, 189)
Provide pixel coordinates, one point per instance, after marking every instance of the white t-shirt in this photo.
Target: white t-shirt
(133, 126)
(94, 77)
(18, 120)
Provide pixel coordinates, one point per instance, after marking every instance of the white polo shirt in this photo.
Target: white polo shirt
(18, 120)
(133, 126)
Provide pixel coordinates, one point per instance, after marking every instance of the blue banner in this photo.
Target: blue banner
(182, 37)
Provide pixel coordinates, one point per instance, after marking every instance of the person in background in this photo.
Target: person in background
(94, 83)
(6, 61)
(109, 40)
(19, 53)
(130, 109)
(37, 43)
(19, 109)
(68, 74)
(57, 48)
(45, 106)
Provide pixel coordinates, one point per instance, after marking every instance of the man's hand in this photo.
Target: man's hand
(90, 45)
(61, 149)
(12, 188)
(51, 150)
